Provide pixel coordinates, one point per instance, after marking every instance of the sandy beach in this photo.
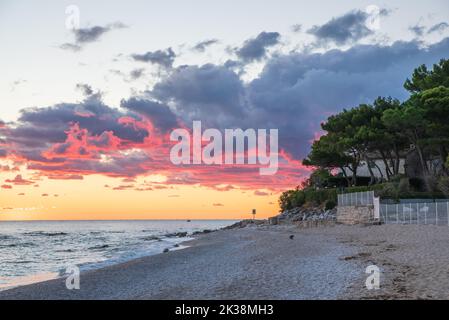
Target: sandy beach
(264, 263)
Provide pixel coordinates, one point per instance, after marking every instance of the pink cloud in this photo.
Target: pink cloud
(124, 187)
(18, 180)
(65, 177)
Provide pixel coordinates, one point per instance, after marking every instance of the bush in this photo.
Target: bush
(330, 204)
(403, 186)
(297, 198)
(399, 189)
(443, 185)
(375, 187)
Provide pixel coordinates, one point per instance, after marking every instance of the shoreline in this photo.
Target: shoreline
(226, 264)
(86, 246)
(262, 262)
(50, 276)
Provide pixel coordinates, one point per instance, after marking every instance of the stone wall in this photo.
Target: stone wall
(352, 215)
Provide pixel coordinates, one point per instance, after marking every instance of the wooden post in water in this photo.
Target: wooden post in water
(254, 214)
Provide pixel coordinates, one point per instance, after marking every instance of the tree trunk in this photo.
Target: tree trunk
(380, 171)
(397, 158)
(371, 173)
(348, 182)
(422, 161)
(354, 174)
(387, 167)
(443, 157)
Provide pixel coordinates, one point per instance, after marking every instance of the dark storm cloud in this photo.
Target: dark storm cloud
(295, 92)
(85, 89)
(160, 115)
(87, 35)
(71, 47)
(91, 114)
(418, 30)
(210, 91)
(345, 29)
(202, 46)
(439, 27)
(38, 128)
(129, 166)
(164, 58)
(256, 48)
(136, 73)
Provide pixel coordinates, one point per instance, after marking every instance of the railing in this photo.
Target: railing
(435, 213)
(356, 199)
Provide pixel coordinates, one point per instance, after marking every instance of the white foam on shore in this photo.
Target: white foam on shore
(11, 283)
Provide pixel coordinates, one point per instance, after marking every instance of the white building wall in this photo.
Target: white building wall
(363, 171)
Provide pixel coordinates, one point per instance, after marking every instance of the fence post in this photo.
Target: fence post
(436, 213)
(425, 214)
(404, 221)
(417, 213)
(397, 208)
(397, 216)
(410, 213)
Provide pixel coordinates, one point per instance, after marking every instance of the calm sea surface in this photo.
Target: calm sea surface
(32, 251)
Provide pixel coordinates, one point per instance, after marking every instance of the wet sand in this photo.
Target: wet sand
(264, 263)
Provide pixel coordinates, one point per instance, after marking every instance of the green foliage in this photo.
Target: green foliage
(403, 186)
(291, 199)
(330, 204)
(383, 130)
(443, 185)
(424, 79)
(386, 129)
(297, 198)
(327, 154)
(376, 187)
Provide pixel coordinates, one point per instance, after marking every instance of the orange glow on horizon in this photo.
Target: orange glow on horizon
(98, 197)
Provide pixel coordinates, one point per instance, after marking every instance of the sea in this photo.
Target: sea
(33, 251)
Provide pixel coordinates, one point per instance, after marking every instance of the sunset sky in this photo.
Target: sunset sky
(86, 113)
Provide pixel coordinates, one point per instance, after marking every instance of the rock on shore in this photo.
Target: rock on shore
(302, 215)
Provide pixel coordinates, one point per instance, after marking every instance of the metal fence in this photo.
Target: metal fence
(436, 213)
(356, 199)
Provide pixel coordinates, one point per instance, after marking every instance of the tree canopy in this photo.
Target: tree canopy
(387, 129)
